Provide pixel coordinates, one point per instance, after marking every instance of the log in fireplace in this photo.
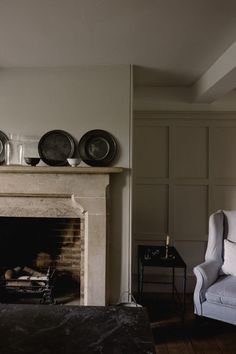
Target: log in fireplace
(15, 286)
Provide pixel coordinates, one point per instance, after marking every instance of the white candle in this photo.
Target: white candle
(167, 240)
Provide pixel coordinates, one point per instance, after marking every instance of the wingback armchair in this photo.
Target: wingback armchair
(215, 291)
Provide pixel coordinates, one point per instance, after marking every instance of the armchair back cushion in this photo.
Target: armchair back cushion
(215, 291)
(215, 239)
(229, 265)
(230, 225)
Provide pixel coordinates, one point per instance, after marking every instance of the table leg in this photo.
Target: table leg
(173, 281)
(184, 290)
(138, 280)
(141, 281)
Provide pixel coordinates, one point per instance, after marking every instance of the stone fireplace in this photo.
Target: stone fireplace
(74, 196)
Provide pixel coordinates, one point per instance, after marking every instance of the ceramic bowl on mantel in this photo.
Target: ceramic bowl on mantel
(32, 161)
(74, 161)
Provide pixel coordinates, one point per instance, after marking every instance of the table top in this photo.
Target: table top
(155, 256)
(60, 329)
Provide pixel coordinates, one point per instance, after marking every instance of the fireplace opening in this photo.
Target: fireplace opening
(41, 260)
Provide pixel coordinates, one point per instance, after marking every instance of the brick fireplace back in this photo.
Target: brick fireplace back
(43, 243)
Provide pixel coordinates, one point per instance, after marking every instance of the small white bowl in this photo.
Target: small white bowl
(73, 161)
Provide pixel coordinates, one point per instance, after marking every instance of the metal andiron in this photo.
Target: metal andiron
(25, 281)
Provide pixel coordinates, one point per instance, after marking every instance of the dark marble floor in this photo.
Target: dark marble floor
(58, 329)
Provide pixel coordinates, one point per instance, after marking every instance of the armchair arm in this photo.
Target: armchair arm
(206, 274)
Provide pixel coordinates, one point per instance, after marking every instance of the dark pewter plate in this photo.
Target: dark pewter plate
(3, 140)
(97, 148)
(55, 147)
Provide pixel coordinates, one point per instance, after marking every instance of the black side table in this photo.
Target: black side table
(158, 256)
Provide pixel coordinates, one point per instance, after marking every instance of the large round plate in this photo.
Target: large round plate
(3, 140)
(55, 147)
(97, 148)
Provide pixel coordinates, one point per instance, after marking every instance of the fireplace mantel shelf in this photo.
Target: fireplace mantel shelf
(61, 170)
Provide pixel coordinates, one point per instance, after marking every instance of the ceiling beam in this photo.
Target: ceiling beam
(218, 80)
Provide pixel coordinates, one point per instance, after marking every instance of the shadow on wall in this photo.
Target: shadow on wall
(148, 76)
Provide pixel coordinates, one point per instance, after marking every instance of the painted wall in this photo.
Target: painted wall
(184, 169)
(36, 100)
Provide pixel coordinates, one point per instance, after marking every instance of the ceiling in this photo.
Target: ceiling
(170, 42)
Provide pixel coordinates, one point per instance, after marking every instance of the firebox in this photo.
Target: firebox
(40, 260)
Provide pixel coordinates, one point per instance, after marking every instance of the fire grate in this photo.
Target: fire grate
(29, 282)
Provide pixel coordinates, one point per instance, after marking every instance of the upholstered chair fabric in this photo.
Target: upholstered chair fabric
(215, 292)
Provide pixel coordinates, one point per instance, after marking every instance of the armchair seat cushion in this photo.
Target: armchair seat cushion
(223, 291)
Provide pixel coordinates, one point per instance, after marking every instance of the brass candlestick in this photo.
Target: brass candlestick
(167, 245)
(167, 251)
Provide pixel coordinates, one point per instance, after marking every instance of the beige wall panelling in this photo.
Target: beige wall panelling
(189, 202)
(190, 212)
(224, 152)
(150, 210)
(201, 179)
(151, 151)
(210, 172)
(190, 152)
(151, 170)
(224, 197)
(222, 165)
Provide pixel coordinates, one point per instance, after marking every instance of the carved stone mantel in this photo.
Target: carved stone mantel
(65, 192)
